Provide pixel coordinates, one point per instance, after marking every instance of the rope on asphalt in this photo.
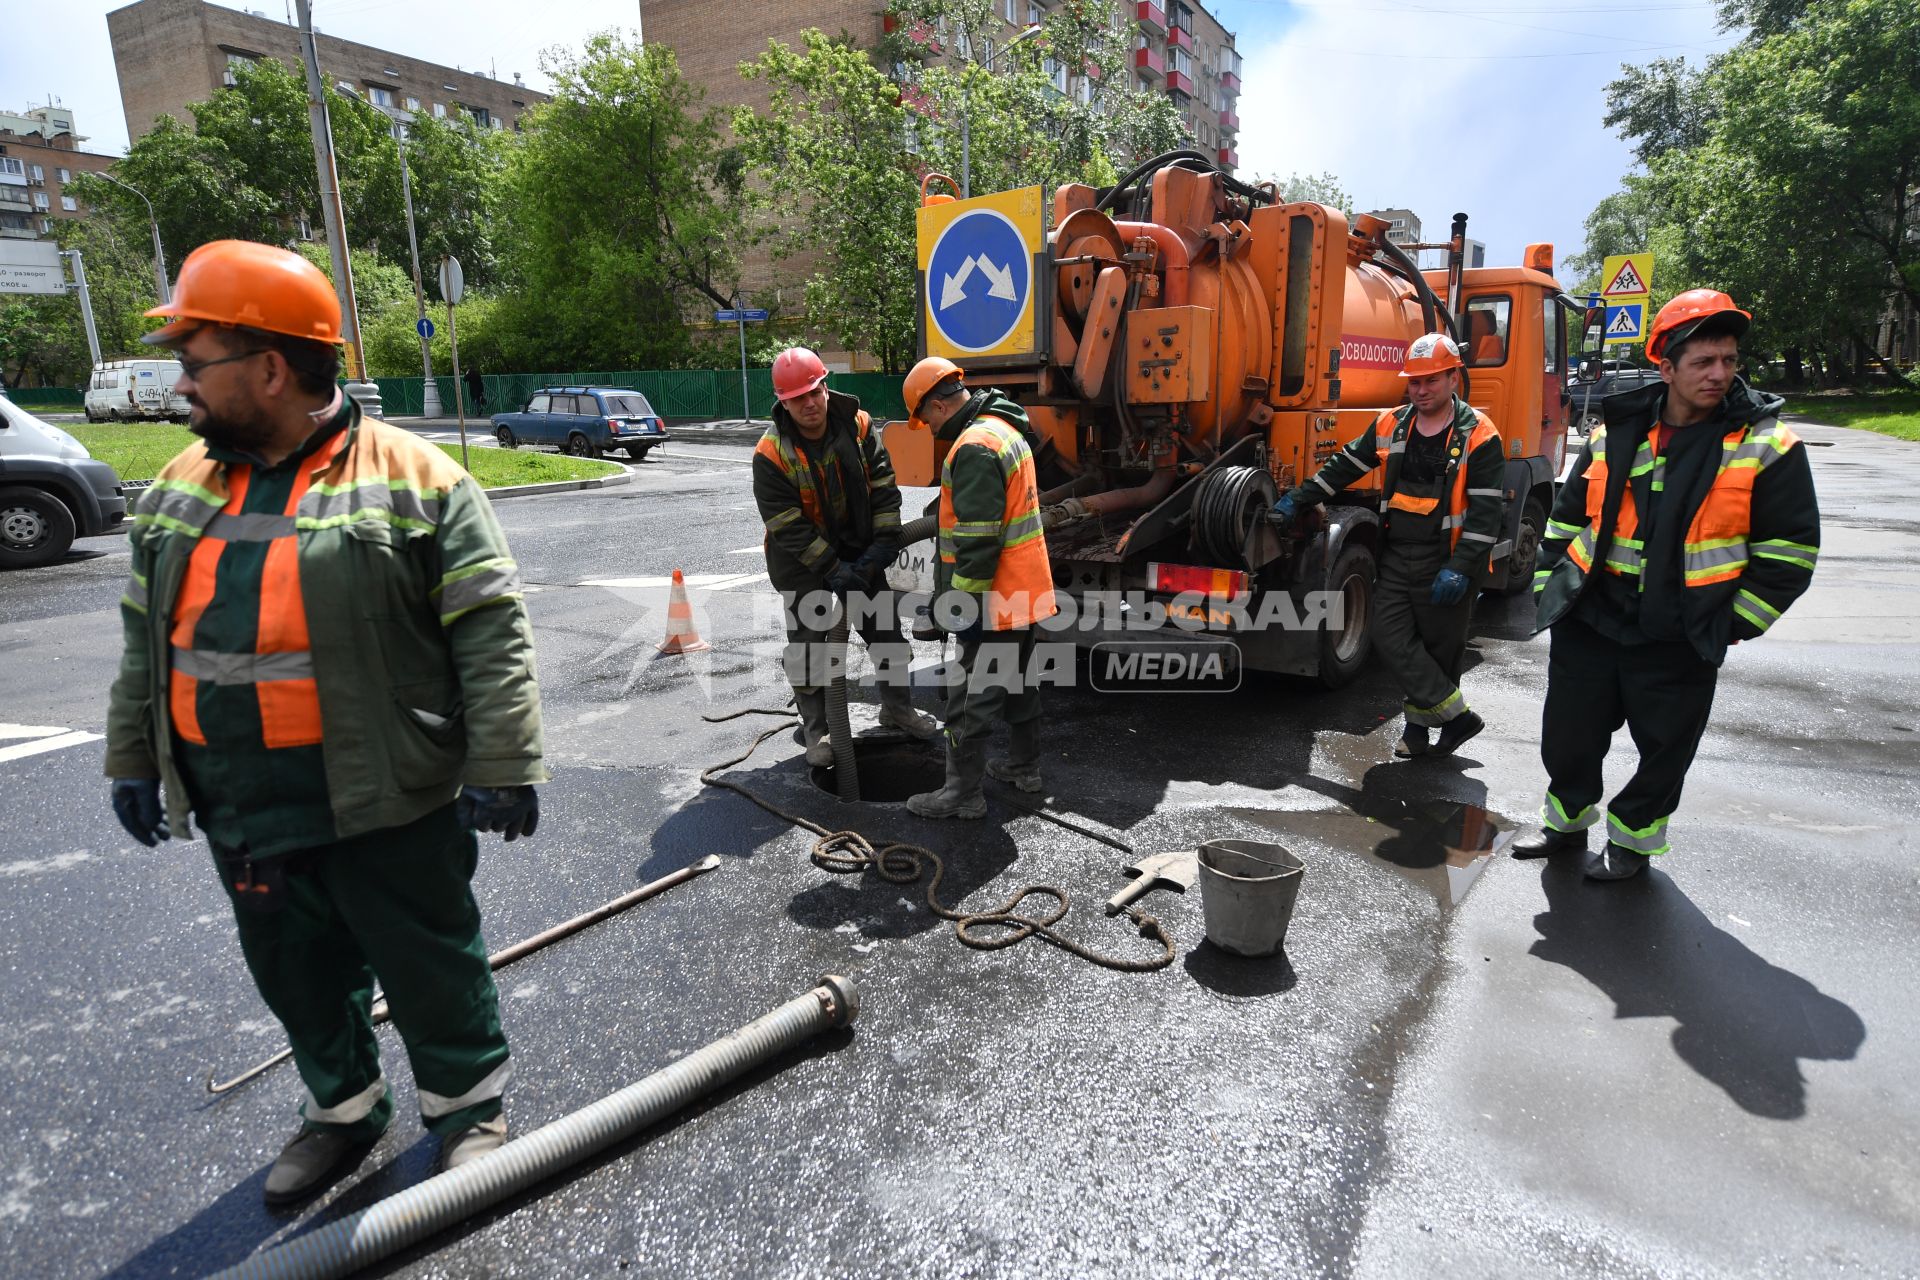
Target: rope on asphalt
(903, 863)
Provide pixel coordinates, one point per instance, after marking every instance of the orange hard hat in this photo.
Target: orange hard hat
(238, 282)
(1683, 317)
(796, 371)
(924, 377)
(1431, 353)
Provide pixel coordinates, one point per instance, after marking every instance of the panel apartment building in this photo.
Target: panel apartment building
(39, 154)
(169, 53)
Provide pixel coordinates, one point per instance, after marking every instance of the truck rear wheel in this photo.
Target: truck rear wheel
(35, 528)
(1526, 549)
(1344, 649)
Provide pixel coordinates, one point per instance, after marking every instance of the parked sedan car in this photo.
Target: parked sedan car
(584, 421)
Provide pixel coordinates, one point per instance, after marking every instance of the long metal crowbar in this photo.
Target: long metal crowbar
(501, 959)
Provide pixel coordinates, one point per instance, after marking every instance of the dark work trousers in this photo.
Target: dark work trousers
(806, 658)
(1662, 692)
(995, 686)
(396, 905)
(1422, 643)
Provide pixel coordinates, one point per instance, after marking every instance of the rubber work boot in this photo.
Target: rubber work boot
(1548, 843)
(1615, 863)
(1414, 740)
(812, 704)
(962, 796)
(896, 712)
(471, 1143)
(310, 1163)
(1456, 731)
(1021, 765)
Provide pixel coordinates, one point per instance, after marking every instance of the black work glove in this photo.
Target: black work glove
(136, 802)
(874, 559)
(514, 810)
(844, 578)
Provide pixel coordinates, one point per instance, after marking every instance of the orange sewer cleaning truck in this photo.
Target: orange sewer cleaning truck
(1187, 348)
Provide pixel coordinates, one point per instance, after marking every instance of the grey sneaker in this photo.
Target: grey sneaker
(471, 1143)
(310, 1163)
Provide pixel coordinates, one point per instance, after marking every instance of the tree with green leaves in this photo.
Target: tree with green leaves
(43, 340)
(624, 212)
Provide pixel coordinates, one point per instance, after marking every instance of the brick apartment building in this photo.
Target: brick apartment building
(39, 154)
(169, 53)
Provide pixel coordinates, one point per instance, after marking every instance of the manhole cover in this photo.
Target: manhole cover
(890, 769)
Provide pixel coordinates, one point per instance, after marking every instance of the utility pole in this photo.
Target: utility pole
(430, 402)
(86, 300)
(332, 213)
(159, 254)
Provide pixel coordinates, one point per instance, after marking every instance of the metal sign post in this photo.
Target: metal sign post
(86, 300)
(740, 316)
(453, 285)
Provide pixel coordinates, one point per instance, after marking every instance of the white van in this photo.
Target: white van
(125, 390)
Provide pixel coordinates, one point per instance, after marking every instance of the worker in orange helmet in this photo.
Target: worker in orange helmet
(993, 582)
(1688, 523)
(1442, 494)
(328, 665)
(831, 507)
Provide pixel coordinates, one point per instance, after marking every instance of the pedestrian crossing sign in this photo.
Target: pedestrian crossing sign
(1625, 322)
(1626, 276)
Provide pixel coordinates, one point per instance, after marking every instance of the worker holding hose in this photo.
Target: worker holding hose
(993, 583)
(1442, 492)
(328, 665)
(827, 496)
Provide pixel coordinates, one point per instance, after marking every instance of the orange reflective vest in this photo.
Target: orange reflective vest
(1458, 495)
(1715, 549)
(1010, 542)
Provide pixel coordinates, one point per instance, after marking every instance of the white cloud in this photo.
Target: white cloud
(1413, 107)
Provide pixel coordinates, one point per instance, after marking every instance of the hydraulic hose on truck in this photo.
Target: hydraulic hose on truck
(343, 1247)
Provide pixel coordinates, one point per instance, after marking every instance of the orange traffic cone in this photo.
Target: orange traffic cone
(681, 637)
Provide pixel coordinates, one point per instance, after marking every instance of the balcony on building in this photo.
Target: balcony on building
(1180, 38)
(1230, 80)
(1229, 158)
(1149, 62)
(1151, 17)
(1180, 83)
(1229, 121)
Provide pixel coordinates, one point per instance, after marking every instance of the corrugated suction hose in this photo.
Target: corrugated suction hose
(411, 1216)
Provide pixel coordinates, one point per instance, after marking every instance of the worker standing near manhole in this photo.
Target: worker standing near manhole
(1441, 495)
(827, 496)
(328, 664)
(993, 553)
(1689, 522)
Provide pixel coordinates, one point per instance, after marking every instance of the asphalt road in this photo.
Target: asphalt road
(1463, 1066)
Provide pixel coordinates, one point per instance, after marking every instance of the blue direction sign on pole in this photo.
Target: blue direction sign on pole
(752, 315)
(978, 279)
(424, 327)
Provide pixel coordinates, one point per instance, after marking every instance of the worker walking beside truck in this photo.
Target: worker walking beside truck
(1441, 497)
(992, 584)
(328, 665)
(827, 497)
(1688, 523)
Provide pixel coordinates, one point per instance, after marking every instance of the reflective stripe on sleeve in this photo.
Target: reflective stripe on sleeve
(477, 585)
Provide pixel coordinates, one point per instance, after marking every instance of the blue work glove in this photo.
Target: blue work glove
(844, 578)
(514, 810)
(1449, 587)
(136, 802)
(1284, 511)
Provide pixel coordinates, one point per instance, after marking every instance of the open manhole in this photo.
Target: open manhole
(891, 769)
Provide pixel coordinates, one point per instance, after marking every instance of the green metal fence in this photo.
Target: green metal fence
(47, 397)
(674, 393)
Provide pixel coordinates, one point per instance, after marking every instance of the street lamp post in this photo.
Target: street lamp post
(430, 392)
(159, 254)
(966, 110)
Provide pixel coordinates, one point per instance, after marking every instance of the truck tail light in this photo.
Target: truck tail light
(1177, 579)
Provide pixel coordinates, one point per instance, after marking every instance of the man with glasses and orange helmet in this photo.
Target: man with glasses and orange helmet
(1688, 523)
(328, 665)
(1442, 491)
(831, 507)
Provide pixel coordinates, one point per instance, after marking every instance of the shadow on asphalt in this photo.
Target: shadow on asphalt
(1241, 977)
(1744, 1024)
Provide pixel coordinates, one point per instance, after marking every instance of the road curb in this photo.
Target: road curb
(559, 486)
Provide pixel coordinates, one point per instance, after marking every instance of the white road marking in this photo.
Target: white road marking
(694, 581)
(30, 730)
(744, 580)
(20, 751)
(746, 551)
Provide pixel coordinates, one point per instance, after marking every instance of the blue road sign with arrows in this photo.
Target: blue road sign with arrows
(751, 315)
(424, 327)
(978, 278)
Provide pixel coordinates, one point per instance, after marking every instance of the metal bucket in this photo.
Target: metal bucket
(1247, 892)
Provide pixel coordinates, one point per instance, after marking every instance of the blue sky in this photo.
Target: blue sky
(1487, 106)
(1491, 107)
